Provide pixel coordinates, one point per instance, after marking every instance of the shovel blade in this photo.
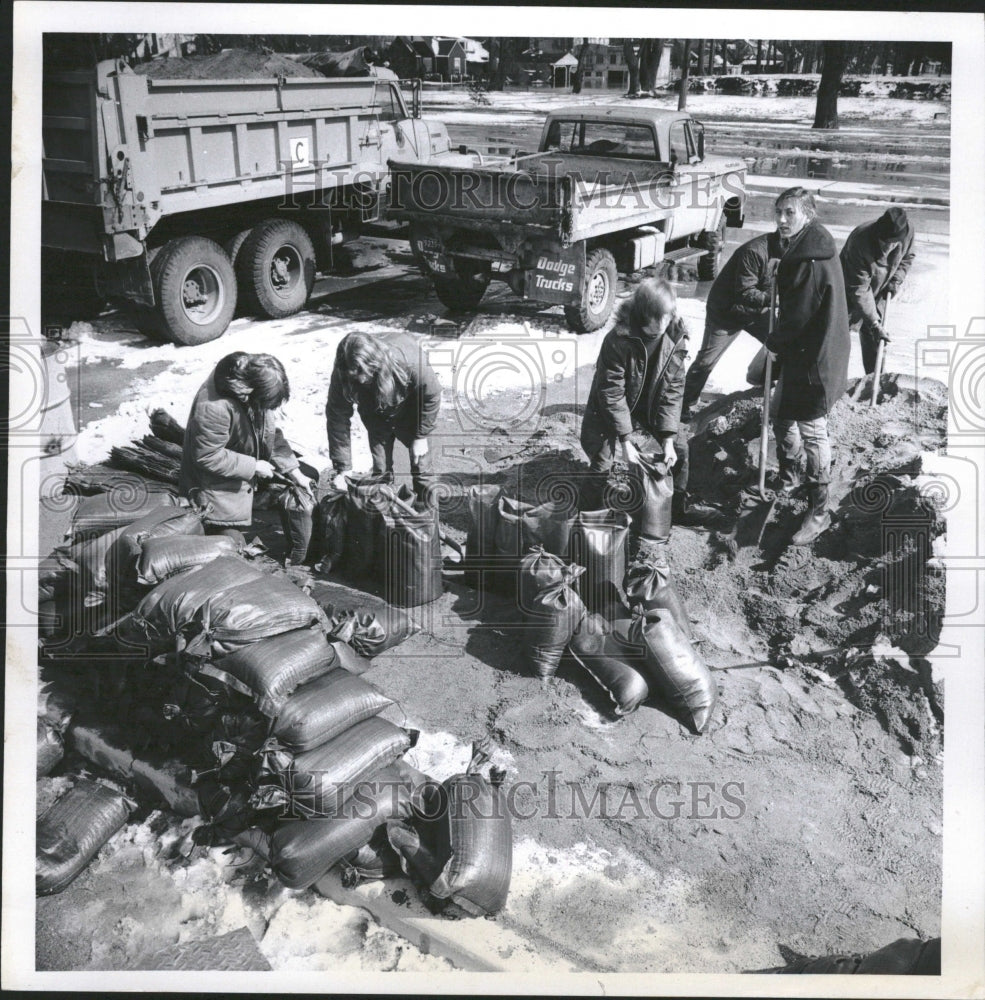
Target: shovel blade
(752, 522)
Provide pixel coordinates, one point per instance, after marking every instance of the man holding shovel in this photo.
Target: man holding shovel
(875, 260)
(810, 338)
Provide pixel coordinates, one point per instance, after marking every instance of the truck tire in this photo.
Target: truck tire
(232, 246)
(463, 292)
(276, 268)
(195, 288)
(711, 240)
(598, 295)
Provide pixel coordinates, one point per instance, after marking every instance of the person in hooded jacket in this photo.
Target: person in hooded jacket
(231, 440)
(811, 340)
(386, 377)
(875, 260)
(639, 384)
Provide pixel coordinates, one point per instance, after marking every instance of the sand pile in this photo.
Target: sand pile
(230, 64)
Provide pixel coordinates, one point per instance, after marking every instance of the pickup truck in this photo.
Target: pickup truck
(188, 197)
(614, 188)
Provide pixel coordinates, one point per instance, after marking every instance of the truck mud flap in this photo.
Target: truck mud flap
(555, 275)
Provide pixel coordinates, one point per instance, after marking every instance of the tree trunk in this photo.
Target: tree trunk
(700, 67)
(826, 113)
(724, 56)
(651, 51)
(685, 73)
(759, 56)
(508, 49)
(770, 55)
(633, 65)
(580, 71)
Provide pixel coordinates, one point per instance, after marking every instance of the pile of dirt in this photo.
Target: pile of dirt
(230, 64)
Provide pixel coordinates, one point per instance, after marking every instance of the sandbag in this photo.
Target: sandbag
(329, 530)
(174, 607)
(675, 668)
(124, 554)
(368, 498)
(372, 862)
(324, 708)
(653, 497)
(270, 670)
(348, 658)
(302, 851)
(370, 633)
(296, 508)
(71, 832)
(480, 542)
(320, 779)
(551, 613)
(598, 542)
(904, 957)
(254, 610)
(652, 587)
(604, 653)
(55, 705)
(463, 850)
(51, 748)
(92, 557)
(162, 558)
(116, 509)
(410, 555)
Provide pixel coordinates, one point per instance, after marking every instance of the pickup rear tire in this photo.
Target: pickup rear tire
(711, 240)
(276, 268)
(463, 291)
(195, 289)
(598, 294)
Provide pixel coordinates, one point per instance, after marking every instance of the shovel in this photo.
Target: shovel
(756, 505)
(880, 357)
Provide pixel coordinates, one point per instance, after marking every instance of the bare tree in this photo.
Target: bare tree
(507, 53)
(633, 65)
(685, 73)
(580, 70)
(826, 113)
(759, 55)
(651, 51)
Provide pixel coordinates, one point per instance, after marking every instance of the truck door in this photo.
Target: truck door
(695, 199)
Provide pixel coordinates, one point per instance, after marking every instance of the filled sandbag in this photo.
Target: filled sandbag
(651, 587)
(301, 851)
(480, 542)
(162, 558)
(92, 557)
(461, 849)
(604, 652)
(370, 633)
(551, 612)
(174, 608)
(297, 507)
(653, 496)
(675, 668)
(410, 554)
(329, 529)
(904, 957)
(598, 542)
(116, 509)
(320, 779)
(71, 832)
(51, 748)
(372, 862)
(270, 670)
(325, 708)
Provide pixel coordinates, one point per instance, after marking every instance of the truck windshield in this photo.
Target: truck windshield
(587, 138)
(389, 103)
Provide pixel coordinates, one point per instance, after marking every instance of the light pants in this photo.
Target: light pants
(796, 438)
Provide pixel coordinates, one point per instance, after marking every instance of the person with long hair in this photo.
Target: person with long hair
(231, 440)
(386, 377)
(639, 385)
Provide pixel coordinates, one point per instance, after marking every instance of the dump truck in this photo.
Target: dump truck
(188, 198)
(611, 189)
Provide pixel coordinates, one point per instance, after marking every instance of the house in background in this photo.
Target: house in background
(563, 70)
(411, 57)
(449, 59)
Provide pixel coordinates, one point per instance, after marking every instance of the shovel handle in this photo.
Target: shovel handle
(880, 358)
(764, 433)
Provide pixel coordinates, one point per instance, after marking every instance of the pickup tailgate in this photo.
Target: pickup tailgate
(472, 195)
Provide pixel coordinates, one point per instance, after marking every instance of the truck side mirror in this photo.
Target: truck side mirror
(701, 144)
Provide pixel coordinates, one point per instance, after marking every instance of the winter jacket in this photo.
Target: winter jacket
(741, 292)
(222, 445)
(811, 333)
(868, 276)
(623, 377)
(414, 418)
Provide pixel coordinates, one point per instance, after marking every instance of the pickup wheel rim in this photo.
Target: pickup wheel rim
(286, 270)
(203, 295)
(598, 291)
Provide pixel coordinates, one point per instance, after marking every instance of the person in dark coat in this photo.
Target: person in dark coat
(638, 384)
(739, 300)
(386, 377)
(231, 440)
(875, 260)
(811, 341)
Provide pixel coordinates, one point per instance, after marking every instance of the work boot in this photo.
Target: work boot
(791, 475)
(693, 515)
(818, 518)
